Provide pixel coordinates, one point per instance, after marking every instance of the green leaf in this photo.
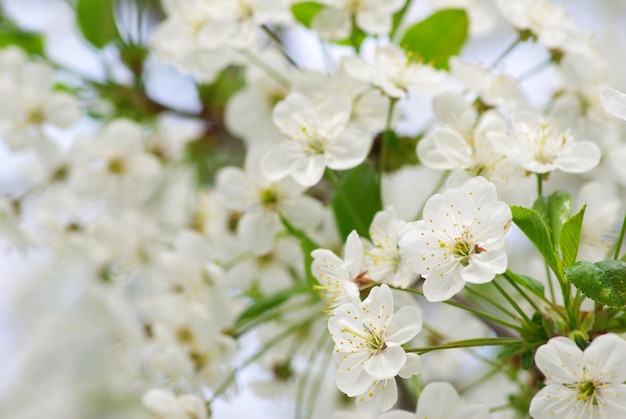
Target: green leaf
(534, 227)
(268, 303)
(438, 37)
(527, 282)
(559, 211)
(400, 152)
(570, 237)
(307, 245)
(357, 200)
(227, 83)
(30, 42)
(603, 282)
(304, 12)
(96, 21)
(526, 360)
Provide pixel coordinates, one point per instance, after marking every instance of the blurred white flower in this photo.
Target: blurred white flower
(440, 400)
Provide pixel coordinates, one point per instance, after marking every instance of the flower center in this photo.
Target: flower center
(315, 146)
(270, 198)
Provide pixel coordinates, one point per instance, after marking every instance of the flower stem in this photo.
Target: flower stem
(469, 343)
(620, 239)
(521, 292)
(280, 45)
(478, 313)
(512, 302)
(265, 67)
(506, 52)
(491, 301)
(273, 342)
(384, 147)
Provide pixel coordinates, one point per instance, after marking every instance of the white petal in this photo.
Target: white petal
(257, 230)
(303, 211)
(442, 288)
(61, 110)
(351, 377)
(438, 400)
(405, 324)
(452, 109)
(560, 360)
(614, 102)
(308, 171)
(354, 254)
(553, 400)
(483, 267)
(579, 157)
(276, 162)
(606, 358)
(386, 364)
(412, 366)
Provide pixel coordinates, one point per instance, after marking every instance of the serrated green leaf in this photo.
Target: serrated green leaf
(30, 42)
(534, 227)
(357, 200)
(559, 211)
(96, 21)
(438, 37)
(527, 282)
(305, 12)
(603, 282)
(570, 237)
(271, 302)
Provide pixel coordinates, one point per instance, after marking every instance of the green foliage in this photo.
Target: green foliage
(400, 152)
(30, 42)
(570, 237)
(535, 228)
(307, 245)
(438, 37)
(527, 282)
(357, 200)
(603, 282)
(96, 21)
(227, 83)
(306, 11)
(559, 211)
(265, 304)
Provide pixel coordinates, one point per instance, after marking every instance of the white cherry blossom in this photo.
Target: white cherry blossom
(373, 16)
(339, 279)
(394, 72)
(384, 260)
(461, 239)
(316, 136)
(580, 383)
(368, 338)
(541, 147)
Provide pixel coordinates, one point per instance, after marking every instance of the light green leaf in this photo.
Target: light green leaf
(603, 282)
(534, 227)
(570, 237)
(357, 200)
(30, 42)
(527, 282)
(438, 37)
(96, 21)
(305, 12)
(559, 211)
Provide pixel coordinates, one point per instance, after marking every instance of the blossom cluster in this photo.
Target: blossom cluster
(295, 235)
